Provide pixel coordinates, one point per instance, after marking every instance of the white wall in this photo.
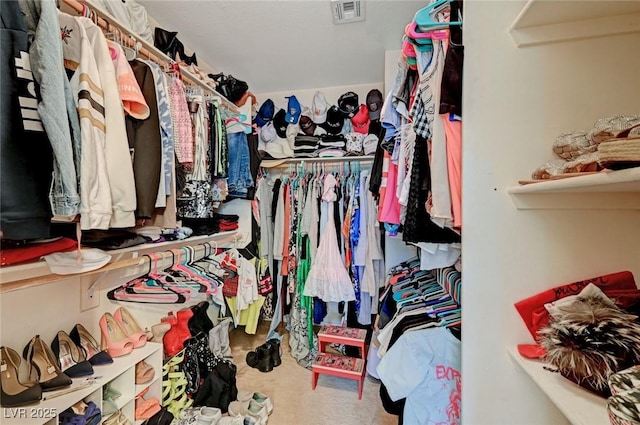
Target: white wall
(516, 101)
(305, 97)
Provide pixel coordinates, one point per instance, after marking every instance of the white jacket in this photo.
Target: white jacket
(95, 192)
(118, 158)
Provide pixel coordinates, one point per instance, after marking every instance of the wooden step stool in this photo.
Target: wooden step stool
(336, 365)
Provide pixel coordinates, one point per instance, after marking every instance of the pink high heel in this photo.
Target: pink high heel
(113, 338)
(130, 327)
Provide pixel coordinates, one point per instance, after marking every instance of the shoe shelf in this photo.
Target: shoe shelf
(544, 21)
(120, 374)
(578, 405)
(605, 190)
(13, 278)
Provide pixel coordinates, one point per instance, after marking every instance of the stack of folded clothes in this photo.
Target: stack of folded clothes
(333, 141)
(209, 226)
(306, 146)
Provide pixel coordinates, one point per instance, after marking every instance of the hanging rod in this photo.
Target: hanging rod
(274, 163)
(105, 20)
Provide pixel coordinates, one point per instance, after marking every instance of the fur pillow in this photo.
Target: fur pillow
(590, 339)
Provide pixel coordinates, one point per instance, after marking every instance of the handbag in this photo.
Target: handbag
(229, 86)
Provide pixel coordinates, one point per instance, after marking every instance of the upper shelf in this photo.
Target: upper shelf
(148, 47)
(605, 190)
(13, 278)
(578, 405)
(545, 21)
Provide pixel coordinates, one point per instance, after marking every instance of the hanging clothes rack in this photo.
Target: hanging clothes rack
(107, 22)
(283, 163)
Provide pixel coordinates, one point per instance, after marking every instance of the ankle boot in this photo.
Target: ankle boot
(274, 350)
(265, 362)
(183, 323)
(171, 339)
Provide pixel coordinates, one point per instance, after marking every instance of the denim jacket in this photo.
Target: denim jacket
(57, 109)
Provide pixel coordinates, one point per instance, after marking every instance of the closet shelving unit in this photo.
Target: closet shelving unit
(120, 375)
(542, 21)
(579, 405)
(105, 19)
(604, 190)
(546, 22)
(15, 278)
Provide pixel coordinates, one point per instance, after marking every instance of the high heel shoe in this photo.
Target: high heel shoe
(12, 391)
(40, 357)
(71, 358)
(113, 337)
(158, 331)
(166, 41)
(131, 328)
(82, 338)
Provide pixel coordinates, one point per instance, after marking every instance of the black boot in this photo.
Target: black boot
(265, 362)
(274, 350)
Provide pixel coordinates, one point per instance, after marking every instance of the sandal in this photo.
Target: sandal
(144, 372)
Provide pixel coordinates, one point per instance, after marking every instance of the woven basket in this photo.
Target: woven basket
(619, 154)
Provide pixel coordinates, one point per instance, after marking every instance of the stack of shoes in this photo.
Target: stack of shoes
(265, 357)
(623, 406)
(250, 406)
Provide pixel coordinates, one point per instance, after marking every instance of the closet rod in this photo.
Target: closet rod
(275, 163)
(105, 19)
(136, 261)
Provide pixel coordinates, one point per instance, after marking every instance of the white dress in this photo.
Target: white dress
(328, 278)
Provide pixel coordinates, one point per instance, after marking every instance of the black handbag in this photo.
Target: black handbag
(229, 86)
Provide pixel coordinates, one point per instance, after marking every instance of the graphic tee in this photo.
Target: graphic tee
(423, 366)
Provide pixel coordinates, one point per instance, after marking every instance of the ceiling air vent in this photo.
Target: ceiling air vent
(345, 11)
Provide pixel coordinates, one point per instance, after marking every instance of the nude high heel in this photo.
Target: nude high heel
(40, 358)
(113, 337)
(12, 391)
(130, 327)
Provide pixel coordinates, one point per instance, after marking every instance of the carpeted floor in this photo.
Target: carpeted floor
(334, 401)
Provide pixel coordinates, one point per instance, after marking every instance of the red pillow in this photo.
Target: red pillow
(535, 316)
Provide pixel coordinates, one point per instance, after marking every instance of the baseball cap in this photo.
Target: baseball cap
(307, 126)
(348, 104)
(334, 121)
(279, 148)
(319, 107)
(267, 132)
(374, 103)
(361, 121)
(293, 110)
(265, 113)
(280, 123)
(67, 262)
(370, 144)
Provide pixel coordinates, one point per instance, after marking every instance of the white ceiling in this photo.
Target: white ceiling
(287, 45)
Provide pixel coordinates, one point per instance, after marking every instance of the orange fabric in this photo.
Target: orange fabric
(133, 101)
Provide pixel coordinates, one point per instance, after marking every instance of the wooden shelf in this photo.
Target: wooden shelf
(579, 405)
(149, 48)
(545, 21)
(606, 190)
(13, 278)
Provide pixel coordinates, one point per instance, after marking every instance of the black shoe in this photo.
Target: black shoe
(167, 42)
(71, 358)
(265, 362)
(274, 350)
(12, 391)
(252, 359)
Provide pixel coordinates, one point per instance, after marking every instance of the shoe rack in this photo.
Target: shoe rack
(120, 375)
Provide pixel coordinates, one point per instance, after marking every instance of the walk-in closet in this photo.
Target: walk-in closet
(261, 212)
